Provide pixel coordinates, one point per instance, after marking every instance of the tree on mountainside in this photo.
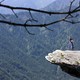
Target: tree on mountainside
(69, 16)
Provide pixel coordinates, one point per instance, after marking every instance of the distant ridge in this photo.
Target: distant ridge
(60, 4)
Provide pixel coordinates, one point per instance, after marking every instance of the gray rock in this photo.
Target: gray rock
(68, 60)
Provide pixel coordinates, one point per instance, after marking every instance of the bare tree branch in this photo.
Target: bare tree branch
(2, 16)
(36, 10)
(29, 31)
(31, 25)
(32, 19)
(14, 13)
(29, 20)
(72, 22)
(67, 18)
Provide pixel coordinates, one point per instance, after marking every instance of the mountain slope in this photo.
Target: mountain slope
(22, 55)
(60, 4)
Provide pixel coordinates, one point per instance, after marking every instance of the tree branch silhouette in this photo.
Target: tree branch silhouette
(67, 18)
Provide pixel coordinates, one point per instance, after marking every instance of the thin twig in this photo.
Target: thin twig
(77, 7)
(14, 13)
(32, 19)
(29, 20)
(72, 22)
(29, 31)
(2, 16)
(70, 8)
(49, 29)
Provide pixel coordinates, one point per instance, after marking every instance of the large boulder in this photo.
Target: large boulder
(68, 60)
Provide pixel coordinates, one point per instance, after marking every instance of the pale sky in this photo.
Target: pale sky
(26, 3)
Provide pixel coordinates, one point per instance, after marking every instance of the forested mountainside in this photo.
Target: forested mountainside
(22, 56)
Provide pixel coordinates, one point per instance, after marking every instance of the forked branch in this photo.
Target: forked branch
(67, 18)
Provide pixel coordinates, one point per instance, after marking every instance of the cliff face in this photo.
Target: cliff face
(69, 61)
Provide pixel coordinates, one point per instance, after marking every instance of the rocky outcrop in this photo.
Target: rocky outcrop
(68, 60)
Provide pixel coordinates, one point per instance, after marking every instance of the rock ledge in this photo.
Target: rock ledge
(68, 60)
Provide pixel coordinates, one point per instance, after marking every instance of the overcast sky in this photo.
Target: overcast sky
(26, 3)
